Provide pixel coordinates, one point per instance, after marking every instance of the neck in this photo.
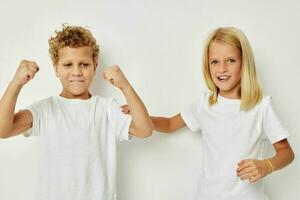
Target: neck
(236, 94)
(86, 95)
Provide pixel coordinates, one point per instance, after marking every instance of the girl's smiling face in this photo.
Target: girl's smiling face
(225, 64)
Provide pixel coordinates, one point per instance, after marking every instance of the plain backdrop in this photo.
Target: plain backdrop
(158, 45)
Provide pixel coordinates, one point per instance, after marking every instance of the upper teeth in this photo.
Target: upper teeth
(223, 77)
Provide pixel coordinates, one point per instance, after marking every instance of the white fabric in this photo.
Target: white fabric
(230, 135)
(78, 147)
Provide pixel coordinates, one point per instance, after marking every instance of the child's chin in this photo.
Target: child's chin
(78, 92)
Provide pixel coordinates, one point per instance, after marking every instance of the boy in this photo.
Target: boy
(78, 131)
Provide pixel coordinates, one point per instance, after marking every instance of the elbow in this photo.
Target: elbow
(149, 130)
(147, 133)
(3, 135)
(292, 158)
(142, 131)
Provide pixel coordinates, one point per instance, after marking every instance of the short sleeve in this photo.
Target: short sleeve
(191, 115)
(272, 126)
(35, 109)
(118, 121)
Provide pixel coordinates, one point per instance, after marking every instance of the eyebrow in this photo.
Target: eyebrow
(226, 57)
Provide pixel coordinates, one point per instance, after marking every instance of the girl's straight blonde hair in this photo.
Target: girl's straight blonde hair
(251, 93)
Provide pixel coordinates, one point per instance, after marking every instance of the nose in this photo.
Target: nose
(223, 67)
(76, 71)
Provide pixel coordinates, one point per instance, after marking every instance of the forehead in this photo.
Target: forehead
(74, 53)
(217, 49)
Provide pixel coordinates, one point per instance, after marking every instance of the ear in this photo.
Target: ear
(95, 67)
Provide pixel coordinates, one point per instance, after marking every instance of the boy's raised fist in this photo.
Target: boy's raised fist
(115, 76)
(25, 72)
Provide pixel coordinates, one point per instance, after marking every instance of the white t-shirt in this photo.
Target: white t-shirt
(230, 135)
(78, 147)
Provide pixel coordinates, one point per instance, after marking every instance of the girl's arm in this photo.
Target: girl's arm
(162, 124)
(257, 169)
(284, 155)
(12, 124)
(141, 124)
(168, 125)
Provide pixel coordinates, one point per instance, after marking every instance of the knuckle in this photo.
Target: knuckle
(259, 176)
(23, 61)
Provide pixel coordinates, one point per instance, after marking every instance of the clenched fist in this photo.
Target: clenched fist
(25, 72)
(115, 76)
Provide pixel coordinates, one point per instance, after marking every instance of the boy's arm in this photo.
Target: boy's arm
(12, 124)
(162, 124)
(141, 124)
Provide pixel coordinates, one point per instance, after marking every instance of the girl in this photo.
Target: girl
(235, 119)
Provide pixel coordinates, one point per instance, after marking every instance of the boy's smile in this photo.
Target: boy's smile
(75, 69)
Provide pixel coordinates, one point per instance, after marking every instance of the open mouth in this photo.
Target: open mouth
(223, 78)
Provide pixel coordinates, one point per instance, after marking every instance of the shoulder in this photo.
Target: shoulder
(105, 101)
(266, 100)
(43, 102)
(262, 106)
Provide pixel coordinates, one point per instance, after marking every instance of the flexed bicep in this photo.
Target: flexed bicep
(22, 122)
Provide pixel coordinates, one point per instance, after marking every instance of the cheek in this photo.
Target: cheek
(238, 71)
(237, 74)
(63, 75)
(89, 75)
(212, 71)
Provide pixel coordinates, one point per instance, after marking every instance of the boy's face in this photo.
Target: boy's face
(75, 69)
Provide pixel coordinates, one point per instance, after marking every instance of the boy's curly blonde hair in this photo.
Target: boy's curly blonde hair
(72, 36)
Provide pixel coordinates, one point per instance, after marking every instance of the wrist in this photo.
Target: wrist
(14, 84)
(126, 88)
(270, 165)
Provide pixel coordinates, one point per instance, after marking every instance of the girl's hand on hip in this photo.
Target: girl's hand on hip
(253, 170)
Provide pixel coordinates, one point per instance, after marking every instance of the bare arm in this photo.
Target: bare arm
(257, 169)
(284, 155)
(168, 125)
(12, 124)
(141, 124)
(162, 124)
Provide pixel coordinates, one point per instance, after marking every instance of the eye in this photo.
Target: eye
(230, 61)
(213, 62)
(85, 65)
(67, 64)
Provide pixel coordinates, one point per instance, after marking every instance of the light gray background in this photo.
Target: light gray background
(158, 44)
